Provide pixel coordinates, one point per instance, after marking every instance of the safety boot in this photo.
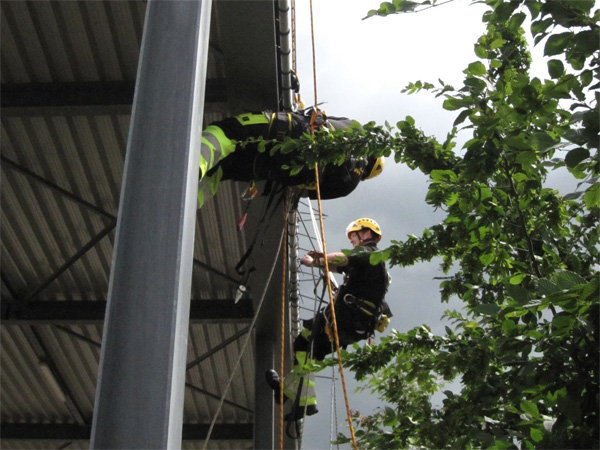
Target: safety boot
(274, 383)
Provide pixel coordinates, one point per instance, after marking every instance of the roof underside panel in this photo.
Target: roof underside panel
(68, 77)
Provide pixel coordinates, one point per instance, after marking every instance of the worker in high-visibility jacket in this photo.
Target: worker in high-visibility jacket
(360, 309)
(225, 149)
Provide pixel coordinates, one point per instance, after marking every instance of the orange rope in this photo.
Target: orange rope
(331, 302)
(312, 35)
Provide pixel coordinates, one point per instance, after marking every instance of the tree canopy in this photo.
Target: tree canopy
(522, 257)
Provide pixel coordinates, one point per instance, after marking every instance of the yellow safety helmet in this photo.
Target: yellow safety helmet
(374, 167)
(362, 223)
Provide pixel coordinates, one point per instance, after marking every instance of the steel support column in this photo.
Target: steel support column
(263, 394)
(139, 397)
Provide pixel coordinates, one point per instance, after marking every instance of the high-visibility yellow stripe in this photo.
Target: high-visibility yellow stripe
(203, 166)
(226, 144)
(211, 157)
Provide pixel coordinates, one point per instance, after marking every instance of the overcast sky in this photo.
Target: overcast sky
(361, 66)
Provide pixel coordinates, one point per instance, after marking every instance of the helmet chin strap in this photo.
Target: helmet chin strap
(369, 240)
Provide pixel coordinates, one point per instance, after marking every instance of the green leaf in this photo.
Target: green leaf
(481, 51)
(526, 159)
(591, 198)
(555, 68)
(497, 43)
(487, 258)
(575, 156)
(563, 321)
(461, 117)
(515, 22)
(487, 309)
(536, 434)
(376, 258)
(504, 10)
(516, 279)
(557, 43)
(519, 293)
(262, 146)
(530, 408)
(540, 26)
(568, 280)
(476, 68)
(501, 445)
(591, 290)
(443, 176)
(541, 141)
(453, 103)
(507, 326)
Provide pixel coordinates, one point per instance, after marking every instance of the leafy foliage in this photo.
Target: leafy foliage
(522, 257)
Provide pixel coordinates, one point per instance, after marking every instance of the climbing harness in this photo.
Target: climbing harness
(318, 118)
(280, 125)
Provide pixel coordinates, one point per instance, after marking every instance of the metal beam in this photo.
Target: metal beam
(141, 381)
(263, 394)
(218, 397)
(72, 432)
(211, 269)
(35, 177)
(86, 312)
(72, 260)
(54, 376)
(217, 348)
(91, 93)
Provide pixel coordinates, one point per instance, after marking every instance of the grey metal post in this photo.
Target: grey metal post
(263, 395)
(139, 397)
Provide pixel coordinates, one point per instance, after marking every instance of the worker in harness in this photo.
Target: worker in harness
(226, 153)
(360, 309)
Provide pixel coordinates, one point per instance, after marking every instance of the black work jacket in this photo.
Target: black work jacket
(363, 279)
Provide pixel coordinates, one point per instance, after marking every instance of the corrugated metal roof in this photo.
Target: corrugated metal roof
(68, 70)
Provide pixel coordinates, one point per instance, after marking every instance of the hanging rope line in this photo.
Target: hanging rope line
(283, 302)
(294, 36)
(329, 289)
(314, 59)
(333, 317)
(245, 344)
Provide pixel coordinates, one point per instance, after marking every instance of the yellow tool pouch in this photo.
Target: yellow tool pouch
(382, 323)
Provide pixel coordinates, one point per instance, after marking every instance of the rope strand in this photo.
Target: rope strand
(312, 35)
(331, 302)
(335, 329)
(283, 287)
